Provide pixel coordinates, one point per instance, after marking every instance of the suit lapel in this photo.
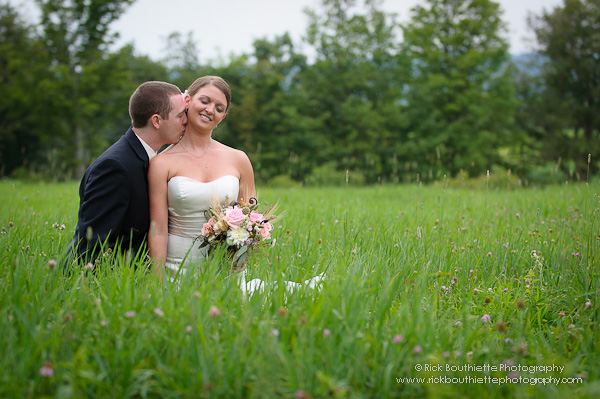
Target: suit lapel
(137, 147)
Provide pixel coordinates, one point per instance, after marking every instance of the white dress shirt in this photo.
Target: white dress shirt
(149, 150)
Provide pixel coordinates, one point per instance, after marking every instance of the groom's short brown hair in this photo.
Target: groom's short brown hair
(151, 98)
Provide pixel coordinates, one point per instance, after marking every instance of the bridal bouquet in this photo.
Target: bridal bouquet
(238, 226)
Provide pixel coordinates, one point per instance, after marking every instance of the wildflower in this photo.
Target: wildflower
(518, 215)
(51, 264)
(320, 240)
(89, 267)
(10, 224)
(130, 313)
(457, 324)
(275, 333)
(300, 394)
(299, 255)
(302, 320)
(571, 325)
(158, 312)
(446, 354)
(397, 339)
(68, 317)
(508, 340)
(47, 370)
(506, 289)
(588, 304)
(188, 329)
(214, 311)
(326, 333)
(104, 323)
(561, 314)
(520, 304)
(489, 254)
(487, 299)
(471, 271)
(282, 311)
(417, 349)
(486, 318)
(501, 327)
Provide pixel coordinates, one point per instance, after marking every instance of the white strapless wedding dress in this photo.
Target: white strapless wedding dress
(187, 201)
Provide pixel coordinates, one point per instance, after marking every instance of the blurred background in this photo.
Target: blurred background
(354, 92)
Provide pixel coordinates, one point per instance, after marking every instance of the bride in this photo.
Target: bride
(185, 179)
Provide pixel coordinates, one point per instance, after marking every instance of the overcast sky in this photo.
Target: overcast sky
(223, 27)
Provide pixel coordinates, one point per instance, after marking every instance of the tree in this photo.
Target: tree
(181, 59)
(23, 83)
(356, 82)
(569, 37)
(461, 99)
(76, 34)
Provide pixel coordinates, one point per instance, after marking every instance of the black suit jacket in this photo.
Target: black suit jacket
(114, 205)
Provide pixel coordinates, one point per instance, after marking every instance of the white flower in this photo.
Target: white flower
(237, 237)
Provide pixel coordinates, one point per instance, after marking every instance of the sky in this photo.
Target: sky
(225, 27)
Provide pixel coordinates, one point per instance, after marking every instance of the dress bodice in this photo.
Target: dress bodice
(187, 200)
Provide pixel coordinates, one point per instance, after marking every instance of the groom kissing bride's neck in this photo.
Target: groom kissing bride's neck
(114, 207)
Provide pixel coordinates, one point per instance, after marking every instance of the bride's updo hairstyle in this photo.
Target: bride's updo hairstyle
(216, 81)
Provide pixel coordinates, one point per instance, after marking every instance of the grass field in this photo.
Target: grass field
(429, 292)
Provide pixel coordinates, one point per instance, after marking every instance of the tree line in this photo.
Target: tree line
(380, 101)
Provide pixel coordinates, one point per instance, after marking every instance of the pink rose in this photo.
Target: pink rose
(256, 217)
(268, 226)
(264, 232)
(207, 228)
(234, 217)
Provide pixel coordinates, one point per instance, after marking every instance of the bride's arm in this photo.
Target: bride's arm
(247, 189)
(158, 234)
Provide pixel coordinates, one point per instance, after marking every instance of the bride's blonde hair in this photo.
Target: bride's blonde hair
(216, 81)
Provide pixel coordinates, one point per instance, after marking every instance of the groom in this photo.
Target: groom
(113, 210)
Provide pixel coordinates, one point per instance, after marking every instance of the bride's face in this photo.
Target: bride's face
(207, 108)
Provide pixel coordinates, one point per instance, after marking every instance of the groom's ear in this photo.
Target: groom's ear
(155, 120)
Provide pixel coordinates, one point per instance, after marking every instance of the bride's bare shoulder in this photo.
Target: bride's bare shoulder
(230, 151)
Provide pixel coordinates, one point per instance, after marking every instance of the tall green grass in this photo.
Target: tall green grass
(410, 273)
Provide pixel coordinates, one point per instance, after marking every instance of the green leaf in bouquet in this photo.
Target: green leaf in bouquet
(243, 251)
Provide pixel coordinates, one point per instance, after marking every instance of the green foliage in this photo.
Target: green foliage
(568, 38)
(410, 273)
(23, 62)
(76, 36)
(461, 99)
(438, 95)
